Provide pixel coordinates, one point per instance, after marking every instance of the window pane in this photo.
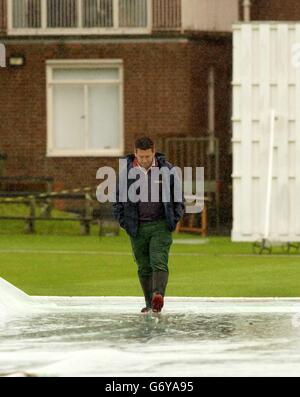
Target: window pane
(104, 117)
(26, 13)
(86, 74)
(68, 117)
(133, 13)
(62, 13)
(97, 13)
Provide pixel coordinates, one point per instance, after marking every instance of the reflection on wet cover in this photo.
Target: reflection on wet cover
(77, 343)
(95, 327)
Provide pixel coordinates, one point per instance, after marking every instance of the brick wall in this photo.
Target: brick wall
(216, 53)
(3, 16)
(165, 94)
(273, 10)
(276, 10)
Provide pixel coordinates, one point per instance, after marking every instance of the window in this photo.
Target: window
(26, 13)
(62, 13)
(79, 16)
(133, 13)
(85, 107)
(97, 13)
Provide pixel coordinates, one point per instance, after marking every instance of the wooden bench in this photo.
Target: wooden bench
(31, 200)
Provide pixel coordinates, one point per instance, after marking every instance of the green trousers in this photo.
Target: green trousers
(151, 247)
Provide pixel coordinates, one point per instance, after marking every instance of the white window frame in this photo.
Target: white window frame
(79, 30)
(79, 64)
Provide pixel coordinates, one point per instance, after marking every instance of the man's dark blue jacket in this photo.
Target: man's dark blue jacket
(127, 213)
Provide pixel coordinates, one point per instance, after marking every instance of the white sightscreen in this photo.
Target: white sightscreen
(266, 76)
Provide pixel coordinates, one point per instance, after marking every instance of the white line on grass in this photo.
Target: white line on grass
(122, 253)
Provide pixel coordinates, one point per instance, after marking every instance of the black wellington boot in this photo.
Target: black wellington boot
(160, 281)
(146, 284)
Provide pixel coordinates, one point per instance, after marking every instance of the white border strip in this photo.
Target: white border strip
(122, 253)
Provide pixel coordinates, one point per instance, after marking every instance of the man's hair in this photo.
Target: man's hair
(144, 143)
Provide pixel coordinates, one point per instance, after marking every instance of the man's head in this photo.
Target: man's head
(144, 149)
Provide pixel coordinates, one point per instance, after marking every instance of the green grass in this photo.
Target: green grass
(93, 266)
(66, 263)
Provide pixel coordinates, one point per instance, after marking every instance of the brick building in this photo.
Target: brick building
(97, 73)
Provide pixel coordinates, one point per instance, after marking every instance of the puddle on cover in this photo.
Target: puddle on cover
(90, 343)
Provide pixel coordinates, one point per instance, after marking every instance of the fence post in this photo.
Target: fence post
(88, 214)
(48, 202)
(29, 228)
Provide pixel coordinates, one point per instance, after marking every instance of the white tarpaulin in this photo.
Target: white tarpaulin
(106, 336)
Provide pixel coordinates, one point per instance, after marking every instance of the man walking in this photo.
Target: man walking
(150, 223)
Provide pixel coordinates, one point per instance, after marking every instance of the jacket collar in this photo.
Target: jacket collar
(160, 158)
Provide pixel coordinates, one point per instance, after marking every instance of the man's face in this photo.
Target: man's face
(145, 157)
